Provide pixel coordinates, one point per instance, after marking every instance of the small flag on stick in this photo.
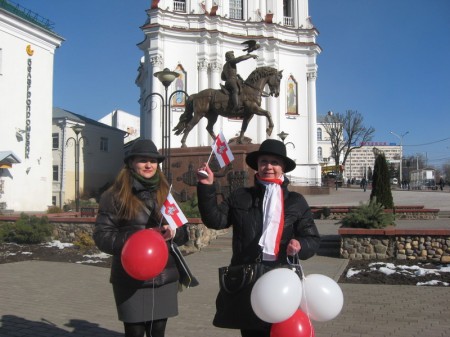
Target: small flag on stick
(173, 213)
(222, 150)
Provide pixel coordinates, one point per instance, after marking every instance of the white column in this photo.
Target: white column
(208, 4)
(153, 107)
(263, 8)
(312, 116)
(202, 134)
(216, 70)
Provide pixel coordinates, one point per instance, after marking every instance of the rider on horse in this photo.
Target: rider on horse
(230, 76)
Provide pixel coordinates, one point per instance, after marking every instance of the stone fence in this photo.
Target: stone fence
(70, 229)
(404, 212)
(402, 244)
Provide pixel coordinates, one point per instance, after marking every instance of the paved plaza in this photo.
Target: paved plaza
(49, 299)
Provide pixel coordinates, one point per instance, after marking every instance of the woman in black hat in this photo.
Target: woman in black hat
(269, 223)
(133, 203)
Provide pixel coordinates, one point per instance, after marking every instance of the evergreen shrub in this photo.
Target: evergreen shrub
(84, 241)
(190, 207)
(369, 216)
(26, 230)
(381, 183)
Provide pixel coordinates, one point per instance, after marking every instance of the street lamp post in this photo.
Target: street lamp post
(77, 140)
(166, 77)
(401, 153)
(283, 136)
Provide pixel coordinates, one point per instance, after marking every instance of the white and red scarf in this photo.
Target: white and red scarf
(273, 217)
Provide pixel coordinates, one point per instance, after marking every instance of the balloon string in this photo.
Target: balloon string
(153, 307)
(296, 263)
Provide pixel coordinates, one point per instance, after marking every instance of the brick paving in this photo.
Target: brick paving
(49, 299)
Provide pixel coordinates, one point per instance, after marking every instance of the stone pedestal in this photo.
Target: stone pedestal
(186, 161)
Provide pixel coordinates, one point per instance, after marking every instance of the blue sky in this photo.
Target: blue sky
(389, 60)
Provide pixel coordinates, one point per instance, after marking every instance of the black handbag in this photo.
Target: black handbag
(186, 279)
(233, 279)
(233, 305)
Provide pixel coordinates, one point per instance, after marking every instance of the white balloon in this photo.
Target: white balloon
(276, 295)
(323, 298)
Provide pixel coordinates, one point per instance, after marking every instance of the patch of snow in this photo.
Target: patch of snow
(26, 253)
(387, 270)
(433, 283)
(98, 256)
(58, 244)
(94, 258)
(410, 271)
(88, 261)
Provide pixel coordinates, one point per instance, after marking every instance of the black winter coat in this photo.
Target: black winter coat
(243, 211)
(111, 233)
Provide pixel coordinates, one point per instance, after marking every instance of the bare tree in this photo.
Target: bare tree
(345, 131)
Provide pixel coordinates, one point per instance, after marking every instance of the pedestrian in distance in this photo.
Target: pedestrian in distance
(364, 183)
(269, 224)
(131, 204)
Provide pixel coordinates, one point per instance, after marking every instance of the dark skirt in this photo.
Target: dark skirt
(146, 304)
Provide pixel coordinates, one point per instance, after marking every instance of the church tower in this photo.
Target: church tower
(192, 37)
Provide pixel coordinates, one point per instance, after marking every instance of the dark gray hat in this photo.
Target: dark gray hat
(145, 148)
(271, 147)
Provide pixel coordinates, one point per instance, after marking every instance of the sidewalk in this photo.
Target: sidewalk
(70, 300)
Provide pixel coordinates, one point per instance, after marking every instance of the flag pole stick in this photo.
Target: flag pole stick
(162, 216)
(203, 173)
(209, 157)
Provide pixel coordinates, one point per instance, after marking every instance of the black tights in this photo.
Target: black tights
(255, 333)
(155, 328)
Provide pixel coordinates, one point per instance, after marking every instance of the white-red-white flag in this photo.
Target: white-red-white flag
(222, 150)
(173, 213)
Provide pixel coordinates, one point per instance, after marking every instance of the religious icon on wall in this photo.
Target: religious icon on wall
(179, 98)
(291, 96)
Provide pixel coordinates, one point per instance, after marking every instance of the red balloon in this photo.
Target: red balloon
(145, 254)
(298, 325)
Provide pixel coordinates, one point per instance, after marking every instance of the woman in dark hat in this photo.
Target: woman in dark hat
(133, 203)
(269, 223)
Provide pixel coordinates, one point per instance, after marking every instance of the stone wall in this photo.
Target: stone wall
(199, 235)
(389, 244)
(400, 212)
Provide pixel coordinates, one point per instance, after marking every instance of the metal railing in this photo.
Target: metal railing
(179, 6)
(27, 14)
(302, 181)
(288, 21)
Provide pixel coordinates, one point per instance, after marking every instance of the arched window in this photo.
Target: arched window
(319, 153)
(319, 134)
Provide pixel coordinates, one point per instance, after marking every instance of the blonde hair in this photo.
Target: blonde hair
(127, 202)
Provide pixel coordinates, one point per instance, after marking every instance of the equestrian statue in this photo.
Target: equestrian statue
(238, 98)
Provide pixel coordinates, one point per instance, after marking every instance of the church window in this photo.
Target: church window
(236, 11)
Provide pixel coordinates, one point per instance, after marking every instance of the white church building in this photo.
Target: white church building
(192, 37)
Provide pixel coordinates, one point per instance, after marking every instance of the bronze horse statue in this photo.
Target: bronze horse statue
(212, 103)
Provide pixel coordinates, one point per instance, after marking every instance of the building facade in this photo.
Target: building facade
(191, 38)
(362, 160)
(86, 155)
(27, 49)
(124, 121)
